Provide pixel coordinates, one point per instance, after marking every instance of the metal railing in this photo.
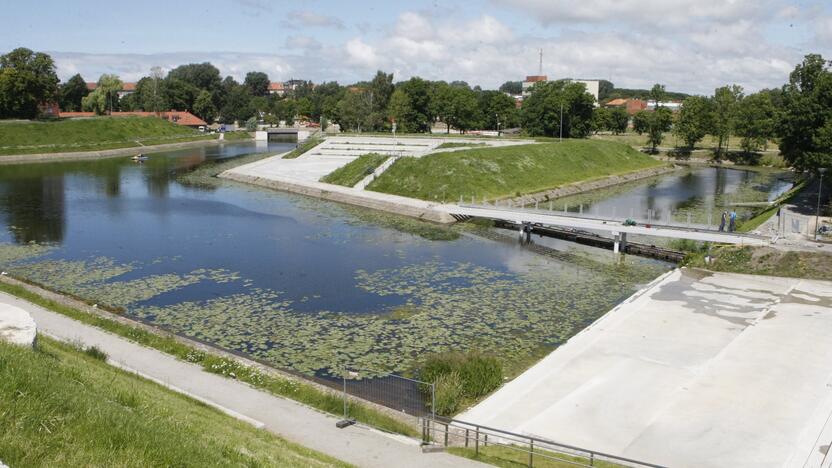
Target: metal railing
(400, 394)
(452, 432)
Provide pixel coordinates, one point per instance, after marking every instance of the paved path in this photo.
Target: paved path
(358, 445)
(700, 370)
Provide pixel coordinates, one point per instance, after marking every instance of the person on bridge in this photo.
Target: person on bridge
(732, 224)
(723, 220)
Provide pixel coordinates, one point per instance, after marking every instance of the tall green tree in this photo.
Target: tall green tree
(755, 121)
(257, 83)
(497, 107)
(379, 92)
(658, 122)
(659, 94)
(724, 115)
(805, 125)
(401, 110)
(601, 119)
(353, 111)
(204, 107)
(237, 106)
(104, 98)
(180, 94)
(417, 120)
(512, 87)
(464, 114)
(27, 79)
(549, 101)
(72, 92)
(694, 120)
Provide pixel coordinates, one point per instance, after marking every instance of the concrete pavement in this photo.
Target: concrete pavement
(699, 370)
(358, 445)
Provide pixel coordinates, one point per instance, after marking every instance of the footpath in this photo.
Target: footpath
(358, 444)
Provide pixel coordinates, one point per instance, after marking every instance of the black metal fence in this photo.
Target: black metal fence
(400, 394)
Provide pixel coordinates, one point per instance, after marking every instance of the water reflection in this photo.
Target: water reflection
(34, 208)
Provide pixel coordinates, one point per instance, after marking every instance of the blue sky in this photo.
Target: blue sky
(689, 45)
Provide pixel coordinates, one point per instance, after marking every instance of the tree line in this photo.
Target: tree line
(797, 115)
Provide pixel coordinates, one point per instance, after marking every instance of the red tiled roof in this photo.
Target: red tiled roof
(178, 117)
(617, 102)
(91, 86)
(275, 86)
(536, 78)
(124, 87)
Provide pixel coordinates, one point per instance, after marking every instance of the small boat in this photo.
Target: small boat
(139, 157)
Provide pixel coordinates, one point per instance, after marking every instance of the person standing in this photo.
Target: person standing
(722, 221)
(732, 224)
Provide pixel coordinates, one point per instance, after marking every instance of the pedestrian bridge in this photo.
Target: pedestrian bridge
(615, 227)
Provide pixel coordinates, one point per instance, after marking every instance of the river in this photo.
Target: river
(295, 282)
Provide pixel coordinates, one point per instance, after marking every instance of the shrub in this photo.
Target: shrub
(449, 393)
(95, 353)
(474, 373)
(480, 375)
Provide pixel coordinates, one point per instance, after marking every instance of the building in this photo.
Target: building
(183, 118)
(277, 88)
(531, 81)
(592, 87)
(126, 88)
(633, 106)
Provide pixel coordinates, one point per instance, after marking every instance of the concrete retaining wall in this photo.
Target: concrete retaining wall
(378, 201)
(580, 187)
(111, 153)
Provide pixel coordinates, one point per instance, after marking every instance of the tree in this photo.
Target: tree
(658, 122)
(464, 109)
(755, 117)
(180, 94)
(237, 106)
(512, 87)
(257, 83)
(27, 79)
(541, 112)
(379, 92)
(353, 110)
(724, 114)
(105, 97)
(72, 92)
(605, 90)
(495, 107)
(658, 94)
(199, 75)
(694, 120)
(401, 110)
(805, 126)
(601, 119)
(204, 107)
(417, 120)
(619, 119)
(640, 122)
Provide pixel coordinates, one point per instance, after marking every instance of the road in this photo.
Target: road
(359, 445)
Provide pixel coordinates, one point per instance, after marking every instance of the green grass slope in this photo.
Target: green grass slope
(64, 407)
(91, 134)
(356, 170)
(510, 171)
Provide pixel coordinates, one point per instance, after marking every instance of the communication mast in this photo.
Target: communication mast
(540, 65)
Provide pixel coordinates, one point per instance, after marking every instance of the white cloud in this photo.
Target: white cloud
(302, 42)
(823, 30)
(360, 53)
(310, 19)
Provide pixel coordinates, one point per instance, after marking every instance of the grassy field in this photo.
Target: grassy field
(91, 134)
(67, 407)
(356, 170)
(765, 261)
(708, 143)
(303, 147)
(458, 144)
(289, 388)
(495, 173)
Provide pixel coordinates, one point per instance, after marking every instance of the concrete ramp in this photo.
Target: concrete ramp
(699, 370)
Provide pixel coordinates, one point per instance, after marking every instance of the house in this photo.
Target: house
(183, 118)
(126, 88)
(277, 88)
(633, 106)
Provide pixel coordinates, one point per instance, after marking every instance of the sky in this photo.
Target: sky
(691, 46)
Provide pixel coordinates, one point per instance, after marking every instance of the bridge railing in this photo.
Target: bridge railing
(512, 448)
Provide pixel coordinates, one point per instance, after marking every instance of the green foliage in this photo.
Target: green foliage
(303, 147)
(541, 112)
(512, 87)
(356, 170)
(95, 353)
(766, 261)
(460, 378)
(27, 79)
(71, 94)
(694, 120)
(459, 144)
(501, 172)
(105, 97)
(237, 107)
(601, 119)
(658, 121)
(497, 107)
(353, 111)
(204, 107)
(755, 121)
(67, 410)
(251, 124)
(724, 115)
(257, 83)
(90, 134)
(805, 126)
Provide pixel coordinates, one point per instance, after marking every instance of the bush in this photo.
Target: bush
(462, 376)
(95, 353)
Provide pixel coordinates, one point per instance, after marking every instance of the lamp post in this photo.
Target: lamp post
(560, 139)
(822, 170)
(497, 117)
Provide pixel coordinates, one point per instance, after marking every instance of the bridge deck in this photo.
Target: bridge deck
(605, 225)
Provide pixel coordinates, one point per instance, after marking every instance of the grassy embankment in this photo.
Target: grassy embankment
(458, 144)
(303, 147)
(768, 212)
(66, 407)
(764, 261)
(356, 170)
(290, 388)
(94, 134)
(496, 173)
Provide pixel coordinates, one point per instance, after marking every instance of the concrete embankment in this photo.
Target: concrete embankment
(378, 201)
(110, 153)
(586, 186)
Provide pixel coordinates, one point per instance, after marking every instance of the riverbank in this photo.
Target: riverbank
(112, 153)
(675, 371)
